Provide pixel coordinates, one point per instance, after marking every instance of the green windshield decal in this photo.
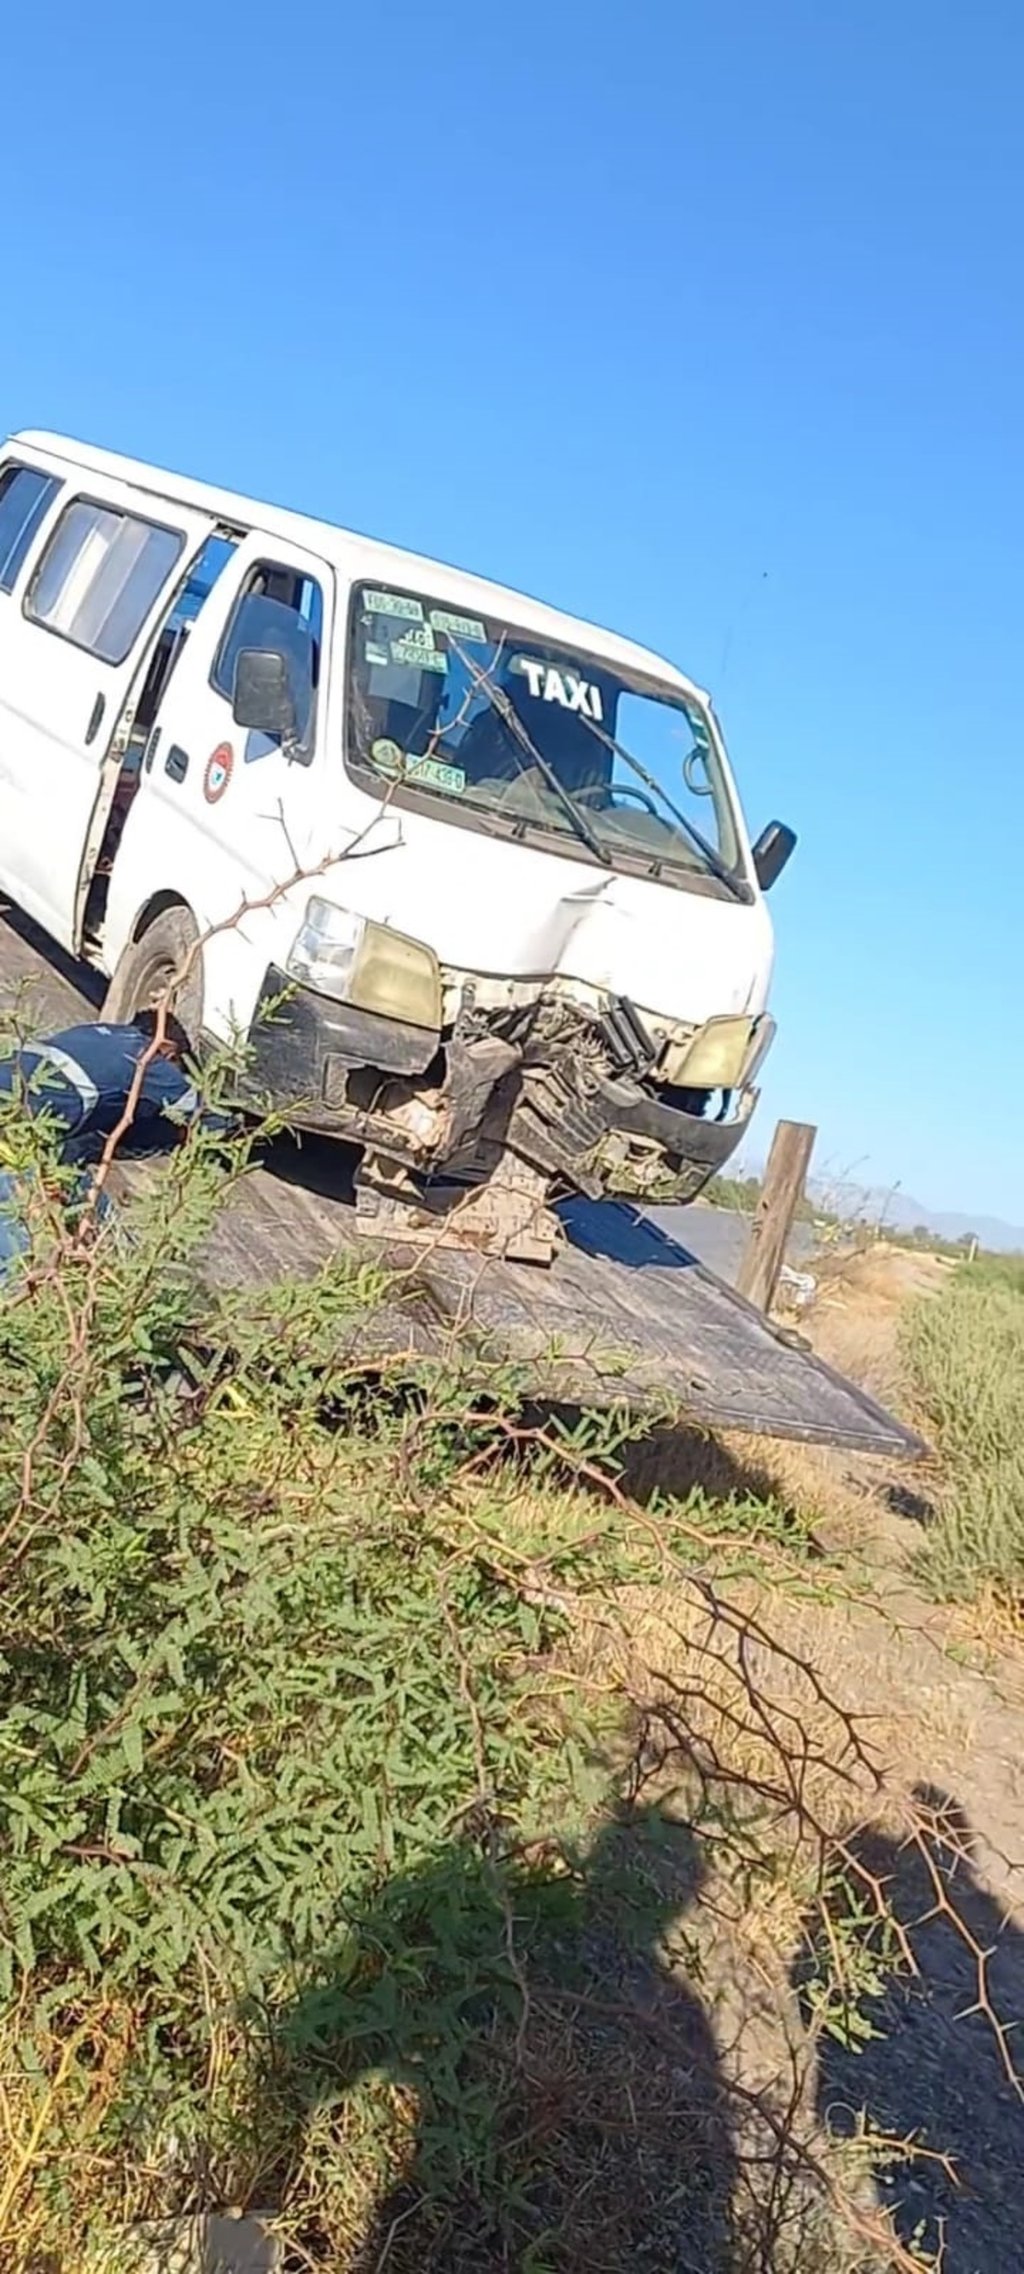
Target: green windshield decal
(434, 770)
(393, 604)
(459, 627)
(400, 765)
(410, 651)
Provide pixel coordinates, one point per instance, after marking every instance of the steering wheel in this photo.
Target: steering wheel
(594, 790)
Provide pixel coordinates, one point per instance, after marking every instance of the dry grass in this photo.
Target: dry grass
(966, 1354)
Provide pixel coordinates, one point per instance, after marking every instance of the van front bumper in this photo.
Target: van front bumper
(583, 1139)
(302, 1047)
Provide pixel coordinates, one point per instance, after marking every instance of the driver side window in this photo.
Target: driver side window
(671, 743)
(282, 610)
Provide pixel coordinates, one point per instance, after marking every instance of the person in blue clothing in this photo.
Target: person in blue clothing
(81, 1080)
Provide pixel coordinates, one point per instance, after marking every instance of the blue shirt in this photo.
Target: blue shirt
(83, 1076)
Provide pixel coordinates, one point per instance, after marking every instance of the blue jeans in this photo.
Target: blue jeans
(15, 1237)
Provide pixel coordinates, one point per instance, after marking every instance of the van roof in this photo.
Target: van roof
(356, 555)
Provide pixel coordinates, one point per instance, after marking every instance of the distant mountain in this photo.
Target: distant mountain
(904, 1214)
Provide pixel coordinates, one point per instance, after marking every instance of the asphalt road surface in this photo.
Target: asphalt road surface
(718, 1237)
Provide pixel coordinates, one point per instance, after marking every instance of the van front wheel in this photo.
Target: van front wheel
(164, 962)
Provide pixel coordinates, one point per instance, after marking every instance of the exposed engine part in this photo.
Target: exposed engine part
(476, 1070)
(573, 1090)
(630, 1047)
(507, 1216)
(526, 1102)
(557, 1125)
(433, 1124)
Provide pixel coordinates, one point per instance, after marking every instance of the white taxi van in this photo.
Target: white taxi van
(488, 861)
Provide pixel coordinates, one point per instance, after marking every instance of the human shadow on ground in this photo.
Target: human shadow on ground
(571, 2113)
(935, 2069)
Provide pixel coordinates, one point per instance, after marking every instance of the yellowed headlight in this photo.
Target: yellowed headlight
(715, 1058)
(397, 977)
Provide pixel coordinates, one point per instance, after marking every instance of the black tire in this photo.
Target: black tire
(148, 966)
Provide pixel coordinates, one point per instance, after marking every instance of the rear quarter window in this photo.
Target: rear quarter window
(99, 577)
(25, 496)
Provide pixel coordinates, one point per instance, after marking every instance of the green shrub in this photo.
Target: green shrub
(253, 1672)
(287, 1742)
(315, 1869)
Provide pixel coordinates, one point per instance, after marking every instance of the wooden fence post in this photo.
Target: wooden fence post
(781, 1192)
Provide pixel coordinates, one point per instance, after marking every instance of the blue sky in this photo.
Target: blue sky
(700, 317)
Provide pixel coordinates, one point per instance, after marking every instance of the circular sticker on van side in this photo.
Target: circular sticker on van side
(218, 772)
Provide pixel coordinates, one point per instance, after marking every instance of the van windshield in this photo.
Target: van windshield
(450, 710)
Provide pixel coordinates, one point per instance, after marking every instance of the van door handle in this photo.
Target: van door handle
(95, 719)
(176, 762)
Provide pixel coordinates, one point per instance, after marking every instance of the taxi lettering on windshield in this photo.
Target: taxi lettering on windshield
(548, 684)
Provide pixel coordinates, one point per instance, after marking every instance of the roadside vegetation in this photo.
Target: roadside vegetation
(965, 1353)
(825, 1208)
(838, 1223)
(400, 1824)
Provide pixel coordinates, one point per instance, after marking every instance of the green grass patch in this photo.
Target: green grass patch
(965, 1350)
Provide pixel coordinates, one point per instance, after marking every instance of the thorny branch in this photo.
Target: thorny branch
(714, 1721)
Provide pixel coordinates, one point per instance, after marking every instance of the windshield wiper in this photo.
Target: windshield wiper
(714, 861)
(509, 716)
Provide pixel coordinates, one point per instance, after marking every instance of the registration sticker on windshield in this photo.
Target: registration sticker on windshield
(411, 649)
(459, 627)
(374, 653)
(434, 771)
(393, 604)
(390, 758)
(418, 636)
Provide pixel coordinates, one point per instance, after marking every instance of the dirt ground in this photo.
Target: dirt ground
(943, 1694)
(949, 1698)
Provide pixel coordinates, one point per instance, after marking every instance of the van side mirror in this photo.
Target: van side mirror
(263, 697)
(771, 852)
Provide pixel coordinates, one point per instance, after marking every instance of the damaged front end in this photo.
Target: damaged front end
(593, 1099)
(477, 1124)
